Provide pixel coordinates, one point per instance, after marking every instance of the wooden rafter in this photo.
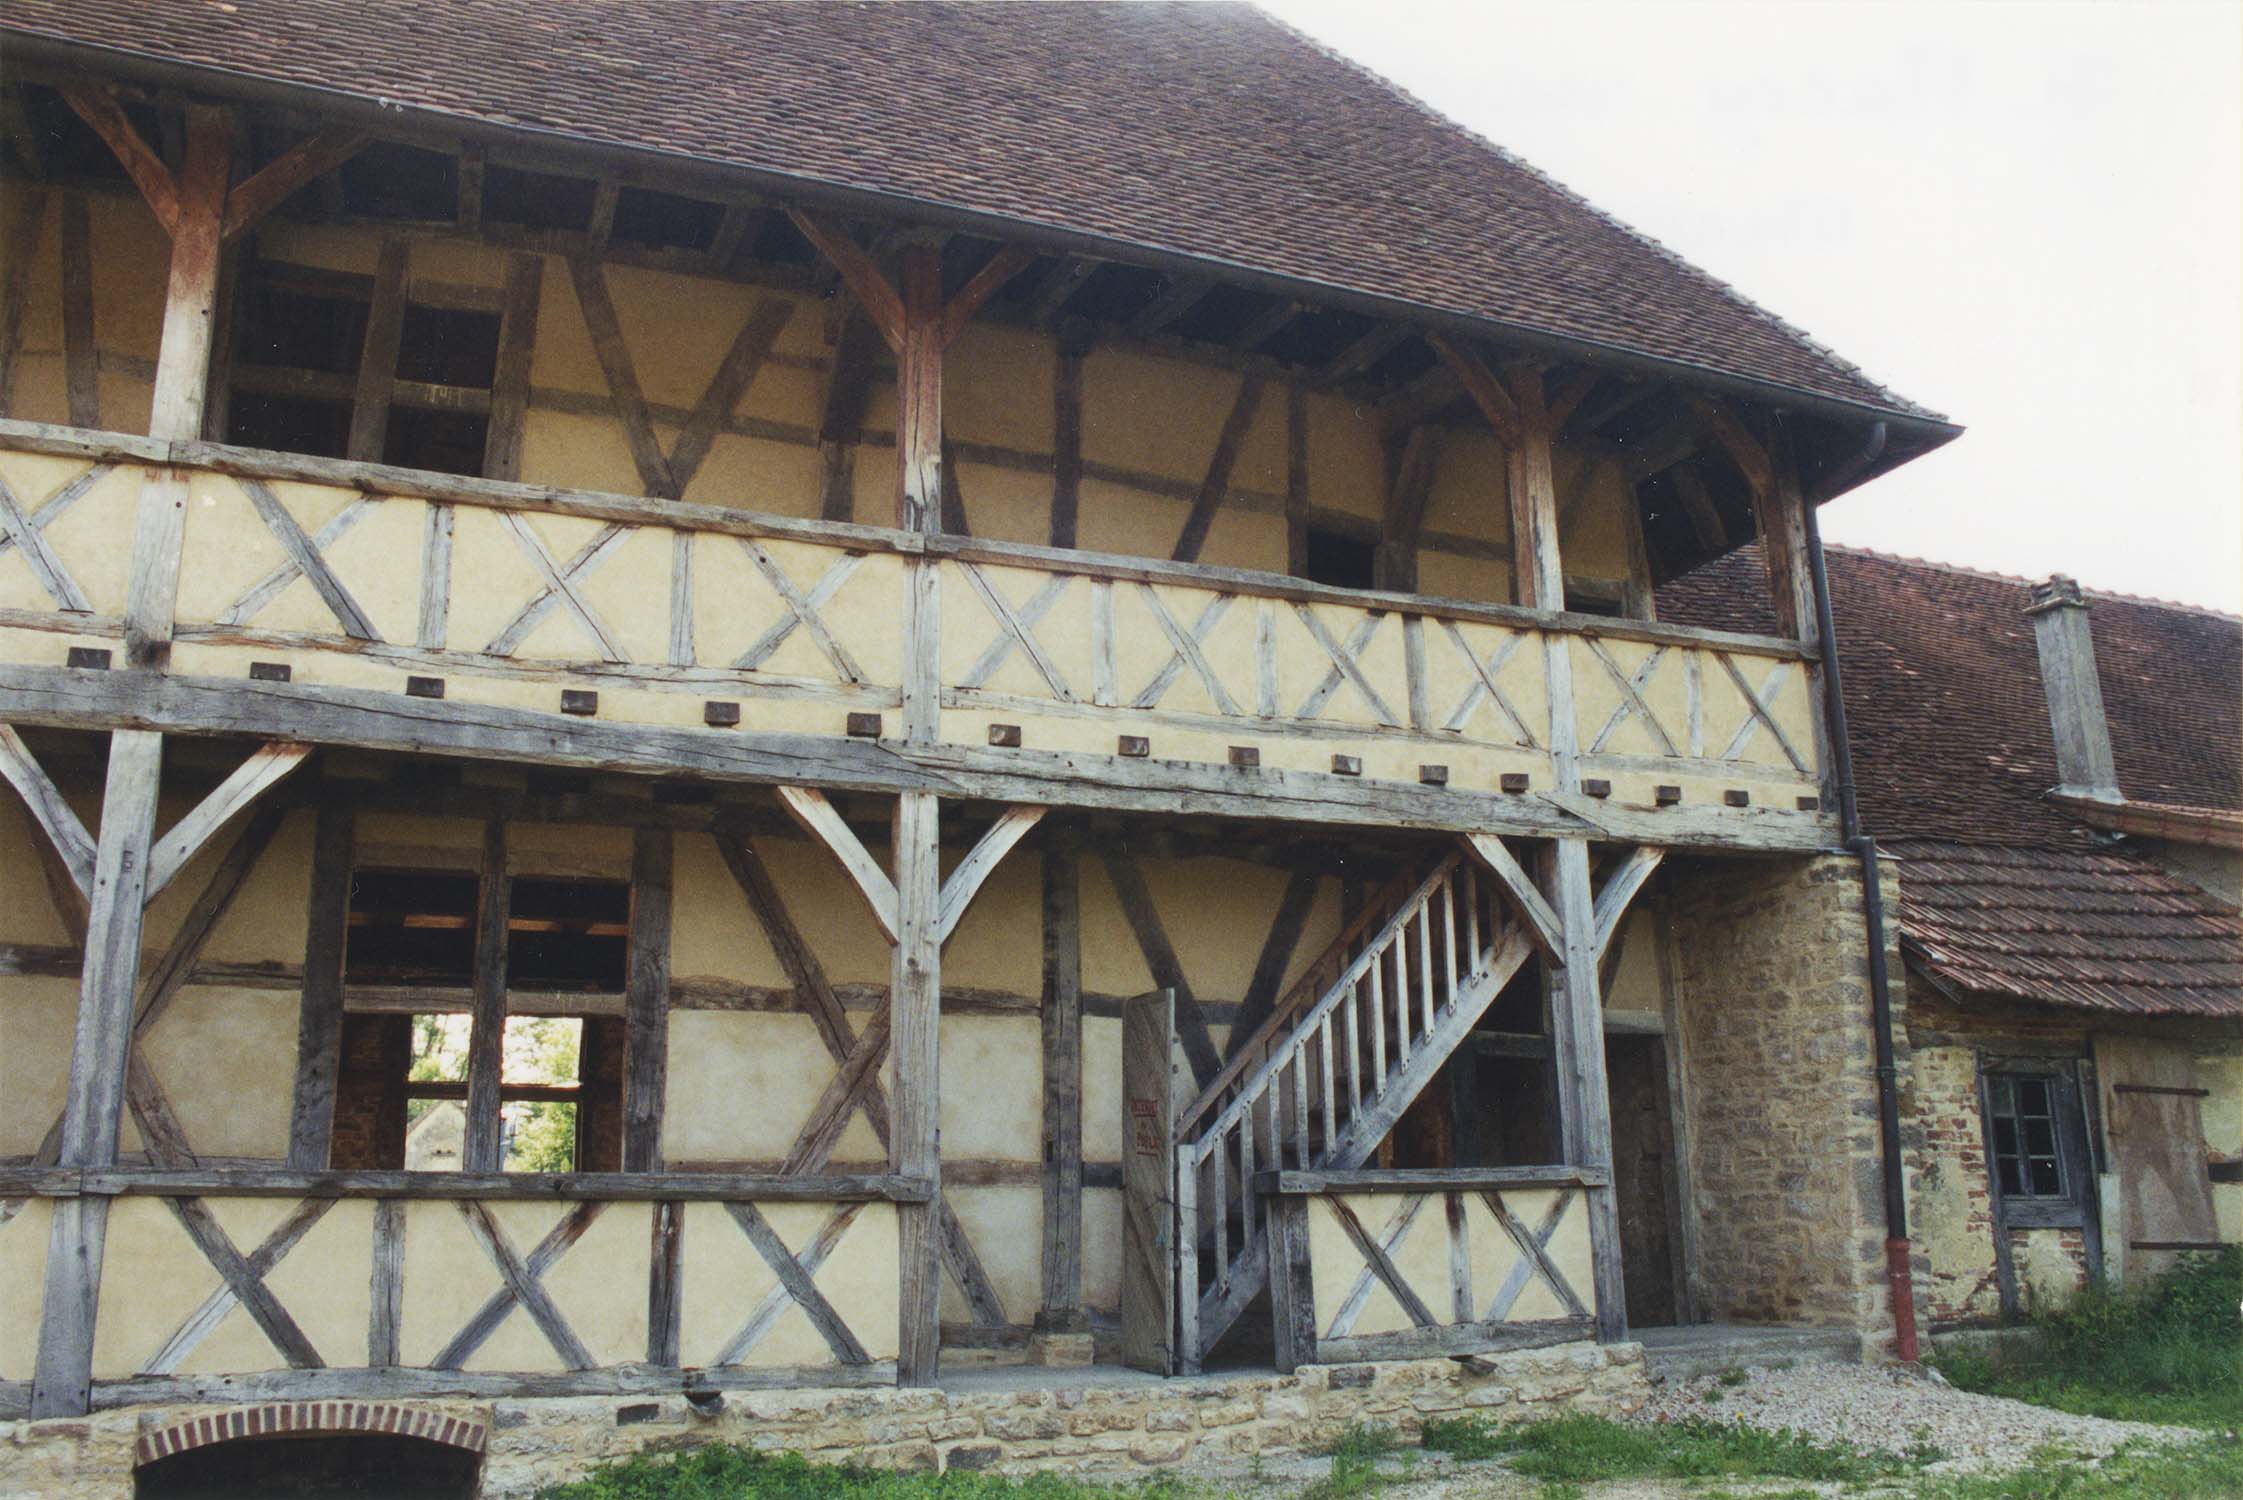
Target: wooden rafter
(1008, 262)
(873, 291)
(1698, 507)
(1736, 440)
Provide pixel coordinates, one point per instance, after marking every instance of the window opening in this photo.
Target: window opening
(2028, 1157)
(403, 1097)
(1343, 561)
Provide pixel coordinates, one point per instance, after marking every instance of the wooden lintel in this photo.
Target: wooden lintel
(142, 163)
(254, 197)
(1481, 384)
(878, 296)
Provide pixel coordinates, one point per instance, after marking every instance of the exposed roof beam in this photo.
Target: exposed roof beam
(1059, 286)
(1180, 296)
(1382, 340)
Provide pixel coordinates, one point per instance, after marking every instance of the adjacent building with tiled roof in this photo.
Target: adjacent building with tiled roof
(2054, 900)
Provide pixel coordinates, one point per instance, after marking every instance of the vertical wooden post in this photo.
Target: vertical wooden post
(1574, 1005)
(1782, 516)
(915, 1013)
(62, 1379)
(182, 381)
(919, 393)
(1156, 1232)
(319, 1025)
(647, 1002)
(915, 990)
(486, 1037)
(1062, 1017)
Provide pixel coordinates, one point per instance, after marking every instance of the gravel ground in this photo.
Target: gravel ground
(1869, 1408)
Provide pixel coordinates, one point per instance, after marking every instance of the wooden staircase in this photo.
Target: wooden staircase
(1322, 1081)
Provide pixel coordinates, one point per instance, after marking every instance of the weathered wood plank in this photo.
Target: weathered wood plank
(606, 332)
(486, 1036)
(665, 1296)
(1160, 960)
(818, 818)
(264, 768)
(80, 357)
(386, 1290)
(54, 815)
(647, 992)
(377, 363)
(319, 1025)
(1542, 923)
(510, 384)
(560, 1187)
(915, 1011)
(1060, 1022)
(971, 873)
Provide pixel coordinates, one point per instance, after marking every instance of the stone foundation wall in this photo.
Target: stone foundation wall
(1092, 1421)
(1773, 981)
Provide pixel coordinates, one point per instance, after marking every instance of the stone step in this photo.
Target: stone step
(1711, 1348)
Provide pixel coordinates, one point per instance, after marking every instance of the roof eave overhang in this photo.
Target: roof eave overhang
(41, 47)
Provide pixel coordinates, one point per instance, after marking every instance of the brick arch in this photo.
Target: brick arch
(309, 1419)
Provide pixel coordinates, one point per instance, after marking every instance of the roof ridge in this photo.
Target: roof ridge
(2146, 601)
(1649, 241)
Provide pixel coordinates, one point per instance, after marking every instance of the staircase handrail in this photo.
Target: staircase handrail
(1305, 1025)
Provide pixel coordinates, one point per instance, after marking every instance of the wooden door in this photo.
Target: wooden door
(1643, 1177)
(1156, 1083)
(2153, 1119)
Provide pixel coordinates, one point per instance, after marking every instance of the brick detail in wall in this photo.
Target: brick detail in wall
(307, 1418)
(369, 1129)
(1776, 1027)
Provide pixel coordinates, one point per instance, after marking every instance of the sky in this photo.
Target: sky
(2026, 216)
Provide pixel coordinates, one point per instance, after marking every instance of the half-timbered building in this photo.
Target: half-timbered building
(713, 696)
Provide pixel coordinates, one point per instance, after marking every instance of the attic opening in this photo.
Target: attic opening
(1340, 560)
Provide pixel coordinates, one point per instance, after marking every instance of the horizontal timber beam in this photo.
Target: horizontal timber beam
(277, 1182)
(370, 720)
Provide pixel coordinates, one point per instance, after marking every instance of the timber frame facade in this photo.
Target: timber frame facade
(907, 685)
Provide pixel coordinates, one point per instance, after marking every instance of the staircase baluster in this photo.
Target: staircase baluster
(1400, 953)
(1448, 938)
(1376, 973)
(1222, 1218)
(1471, 915)
(1352, 1004)
(1425, 966)
(1246, 1177)
(1331, 1091)
(1300, 1108)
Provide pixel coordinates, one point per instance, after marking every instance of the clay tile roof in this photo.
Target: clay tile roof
(2002, 893)
(1207, 130)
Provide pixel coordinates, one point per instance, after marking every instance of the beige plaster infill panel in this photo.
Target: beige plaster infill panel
(27, 913)
(447, 1279)
(743, 1084)
(726, 1281)
(992, 1094)
(227, 1059)
(152, 1278)
(38, 1022)
(1006, 1226)
(83, 539)
(322, 1284)
(24, 1226)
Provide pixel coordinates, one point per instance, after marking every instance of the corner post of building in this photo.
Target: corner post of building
(192, 206)
(915, 996)
(1061, 1019)
(1575, 1007)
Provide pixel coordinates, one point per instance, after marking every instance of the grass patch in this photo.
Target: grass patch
(727, 1473)
(1355, 1463)
(1582, 1449)
(2168, 1352)
(2199, 1471)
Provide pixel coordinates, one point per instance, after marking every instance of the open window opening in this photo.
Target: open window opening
(1343, 561)
(299, 341)
(402, 1101)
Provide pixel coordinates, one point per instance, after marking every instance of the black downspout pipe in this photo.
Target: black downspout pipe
(1899, 1275)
